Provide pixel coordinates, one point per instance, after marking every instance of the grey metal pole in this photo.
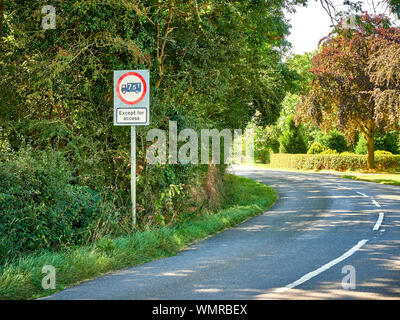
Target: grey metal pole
(133, 174)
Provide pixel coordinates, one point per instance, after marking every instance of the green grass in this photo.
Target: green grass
(377, 177)
(392, 179)
(245, 198)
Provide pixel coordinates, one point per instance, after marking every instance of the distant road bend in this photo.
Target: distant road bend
(322, 230)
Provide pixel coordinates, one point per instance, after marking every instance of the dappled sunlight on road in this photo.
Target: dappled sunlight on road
(332, 291)
(254, 228)
(178, 273)
(390, 197)
(209, 290)
(315, 221)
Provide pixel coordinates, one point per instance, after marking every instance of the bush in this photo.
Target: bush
(361, 147)
(336, 141)
(333, 162)
(387, 142)
(40, 206)
(262, 154)
(347, 153)
(316, 148)
(382, 152)
(292, 140)
(329, 151)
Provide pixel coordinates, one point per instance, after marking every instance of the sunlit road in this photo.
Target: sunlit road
(325, 238)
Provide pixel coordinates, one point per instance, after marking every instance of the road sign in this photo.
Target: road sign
(131, 108)
(131, 97)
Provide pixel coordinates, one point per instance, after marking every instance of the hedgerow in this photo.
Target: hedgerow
(337, 162)
(41, 206)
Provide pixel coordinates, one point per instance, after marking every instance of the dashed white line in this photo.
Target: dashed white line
(362, 194)
(376, 203)
(325, 267)
(379, 221)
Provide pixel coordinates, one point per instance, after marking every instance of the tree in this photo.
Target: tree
(344, 91)
(336, 141)
(212, 63)
(292, 140)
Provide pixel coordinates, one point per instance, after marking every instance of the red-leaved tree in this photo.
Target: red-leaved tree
(356, 84)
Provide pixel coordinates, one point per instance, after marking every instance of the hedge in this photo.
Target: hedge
(336, 162)
(42, 208)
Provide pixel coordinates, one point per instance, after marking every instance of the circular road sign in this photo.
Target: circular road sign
(131, 88)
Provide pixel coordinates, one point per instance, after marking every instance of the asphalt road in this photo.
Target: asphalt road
(325, 238)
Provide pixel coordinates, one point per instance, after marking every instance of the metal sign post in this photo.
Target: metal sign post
(131, 108)
(133, 173)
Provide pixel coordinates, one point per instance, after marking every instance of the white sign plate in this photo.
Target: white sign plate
(131, 97)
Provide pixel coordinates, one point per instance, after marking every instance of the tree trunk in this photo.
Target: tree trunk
(370, 148)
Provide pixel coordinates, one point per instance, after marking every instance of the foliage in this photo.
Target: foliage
(382, 152)
(292, 140)
(333, 162)
(43, 208)
(301, 63)
(347, 153)
(316, 148)
(213, 64)
(243, 199)
(361, 147)
(347, 77)
(388, 142)
(329, 151)
(336, 141)
(266, 139)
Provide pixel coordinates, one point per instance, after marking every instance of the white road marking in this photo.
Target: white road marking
(362, 194)
(379, 221)
(325, 267)
(376, 203)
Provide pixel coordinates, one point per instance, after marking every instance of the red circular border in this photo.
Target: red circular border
(144, 87)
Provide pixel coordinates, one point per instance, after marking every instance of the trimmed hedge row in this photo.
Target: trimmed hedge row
(333, 162)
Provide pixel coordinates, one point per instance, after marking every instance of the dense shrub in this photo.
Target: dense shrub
(335, 140)
(316, 148)
(387, 142)
(292, 140)
(333, 162)
(40, 207)
(361, 147)
(382, 152)
(329, 151)
(262, 154)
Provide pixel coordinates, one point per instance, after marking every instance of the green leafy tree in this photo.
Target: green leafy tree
(292, 140)
(336, 141)
(212, 64)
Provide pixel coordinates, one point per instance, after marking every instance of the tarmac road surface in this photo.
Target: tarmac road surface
(325, 238)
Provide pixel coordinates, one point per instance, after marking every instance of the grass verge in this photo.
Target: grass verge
(245, 198)
(392, 179)
(377, 177)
